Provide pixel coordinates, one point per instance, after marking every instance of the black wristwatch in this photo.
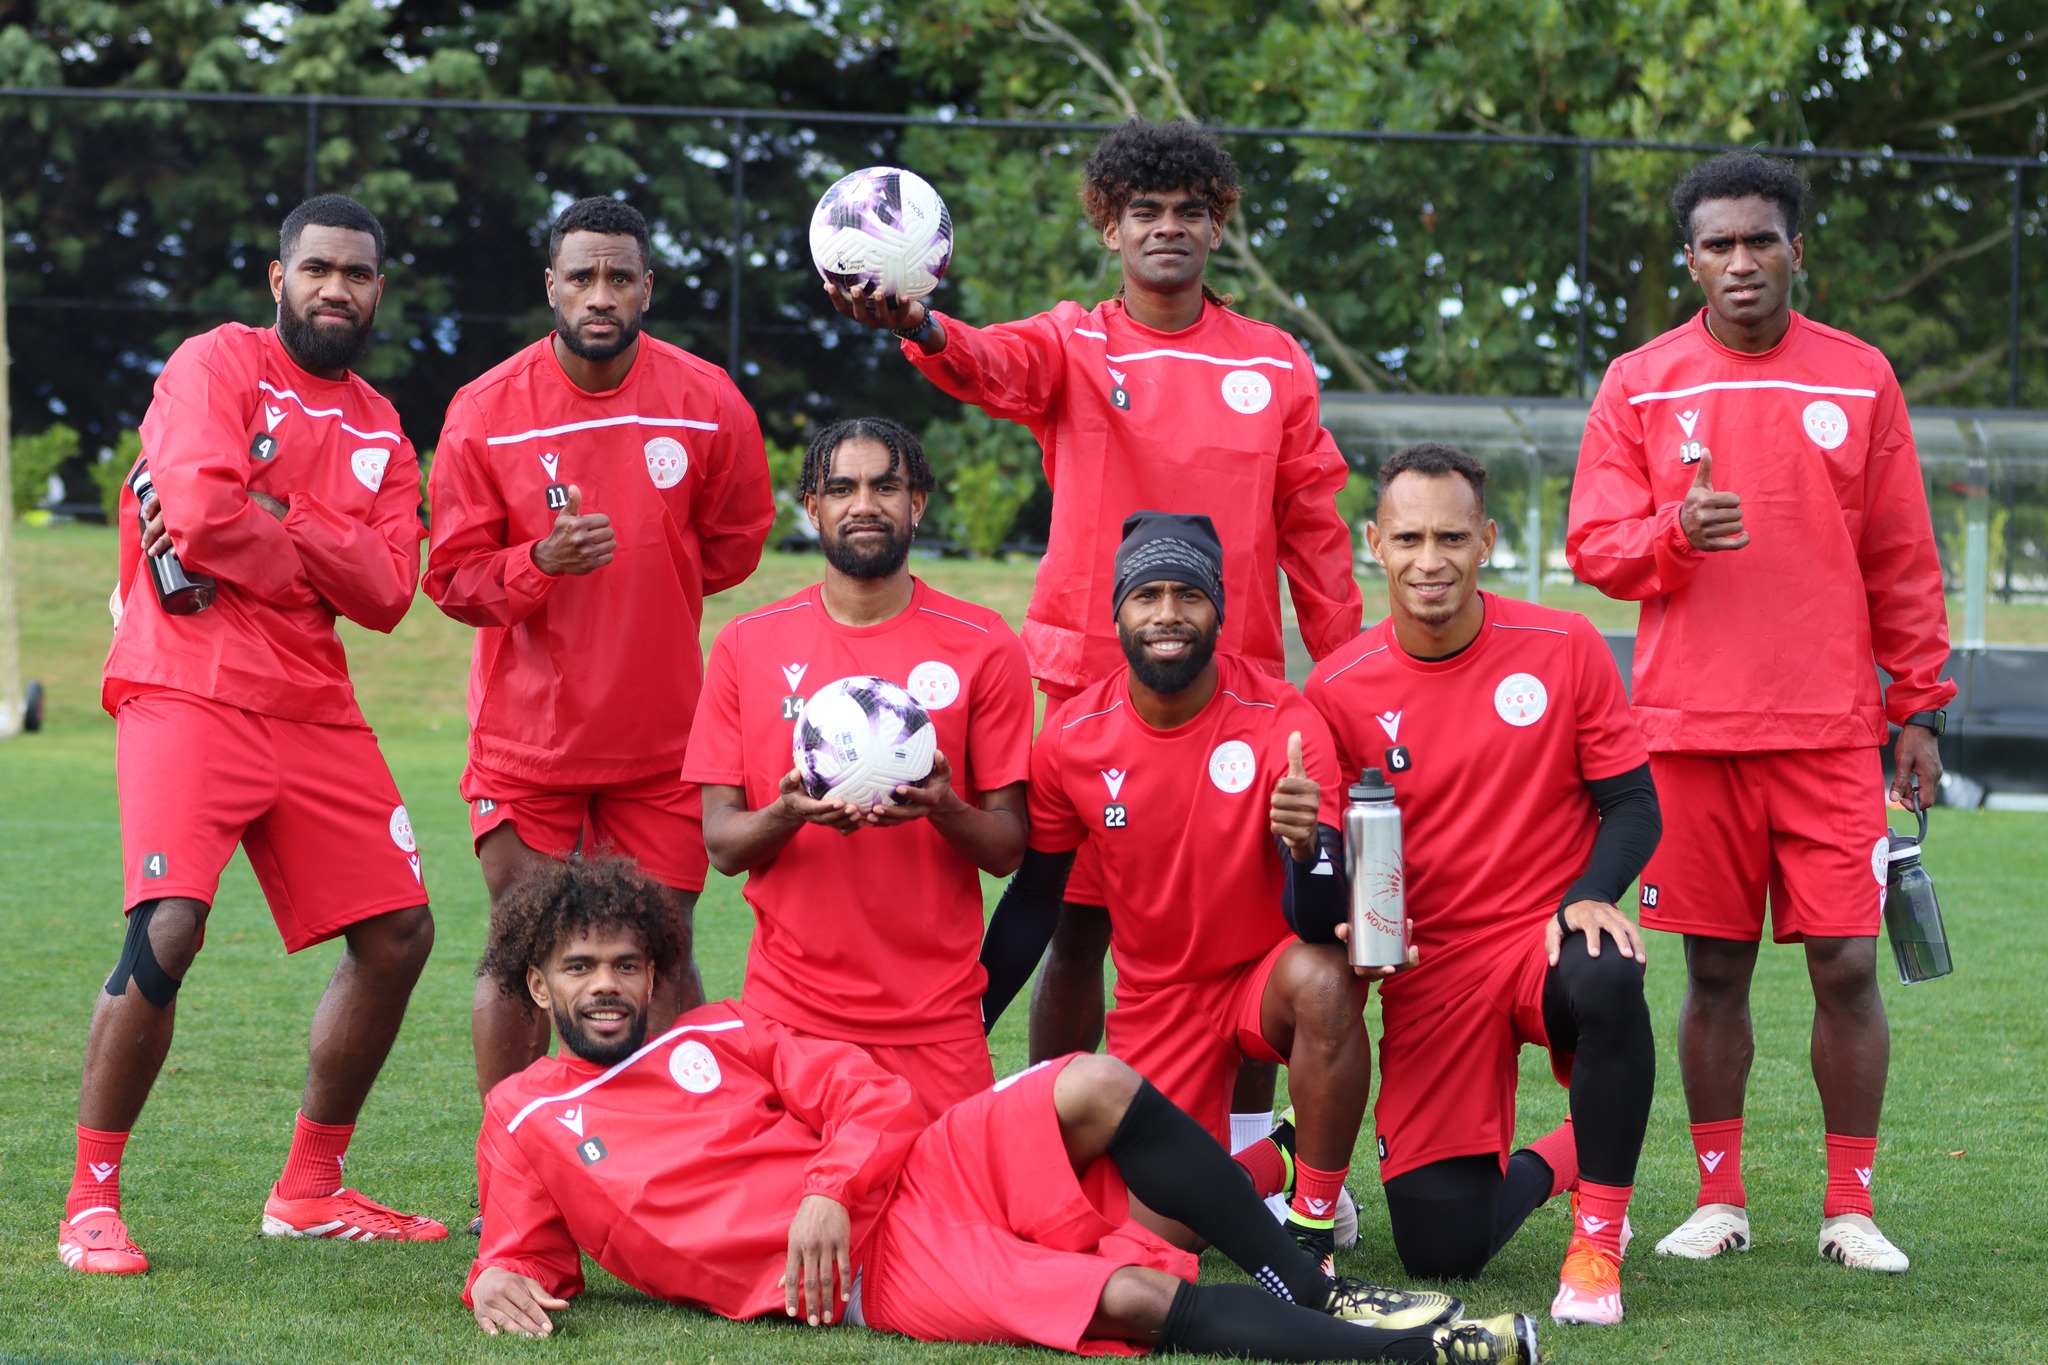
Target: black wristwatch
(917, 333)
(1936, 720)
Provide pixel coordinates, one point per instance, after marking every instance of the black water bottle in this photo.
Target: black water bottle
(1912, 916)
(178, 592)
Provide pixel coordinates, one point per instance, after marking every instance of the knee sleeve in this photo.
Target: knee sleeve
(1594, 1008)
(1586, 994)
(138, 962)
(1444, 1216)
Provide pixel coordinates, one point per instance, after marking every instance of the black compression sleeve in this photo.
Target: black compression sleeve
(1020, 928)
(1316, 897)
(1630, 825)
(1238, 1321)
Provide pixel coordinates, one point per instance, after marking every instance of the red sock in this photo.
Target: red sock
(1264, 1164)
(1718, 1146)
(1315, 1192)
(313, 1168)
(1602, 1208)
(1851, 1160)
(96, 1178)
(1560, 1151)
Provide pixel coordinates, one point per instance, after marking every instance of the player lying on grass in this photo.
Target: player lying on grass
(284, 475)
(736, 1166)
(1210, 792)
(873, 938)
(1527, 809)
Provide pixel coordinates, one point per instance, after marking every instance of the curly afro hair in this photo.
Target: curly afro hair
(561, 900)
(1143, 155)
(1738, 175)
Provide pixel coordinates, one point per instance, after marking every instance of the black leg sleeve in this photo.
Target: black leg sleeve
(1170, 1162)
(1593, 1007)
(1444, 1216)
(1523, 1190)
(1020, 928)
(1238, 1320)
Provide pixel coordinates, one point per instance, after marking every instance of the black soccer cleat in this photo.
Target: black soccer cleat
(1319, 1240)
(1394, 1310)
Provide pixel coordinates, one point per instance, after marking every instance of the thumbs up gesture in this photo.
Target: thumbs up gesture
(578, 544)
(1295, 799)
(1711, 520)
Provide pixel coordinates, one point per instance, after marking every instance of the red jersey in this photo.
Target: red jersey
(680, 1169)
(873, 937)
(1181, 818)
(232, 413)
(1489, 752)
(592, 679)
(1222, 418)
(1770, 646)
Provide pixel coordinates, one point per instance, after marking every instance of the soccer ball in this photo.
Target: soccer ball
(860, 738)
(885, 227)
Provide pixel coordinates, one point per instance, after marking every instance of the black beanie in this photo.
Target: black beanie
(1169, 547)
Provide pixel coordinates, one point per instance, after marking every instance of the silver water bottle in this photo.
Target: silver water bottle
(1372, 857)
(181, 593)
(1912, 916)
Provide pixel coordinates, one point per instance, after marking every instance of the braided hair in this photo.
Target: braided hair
(906, 456)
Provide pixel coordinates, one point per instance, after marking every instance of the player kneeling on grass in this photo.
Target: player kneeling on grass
(740, 1167)
(1527, 809)
(283, 475)
(1183, 771)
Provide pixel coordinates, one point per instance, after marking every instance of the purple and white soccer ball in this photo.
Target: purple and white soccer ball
(860, 738)
(883, 226)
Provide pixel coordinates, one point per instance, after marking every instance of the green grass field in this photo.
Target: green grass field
(1961, 1174)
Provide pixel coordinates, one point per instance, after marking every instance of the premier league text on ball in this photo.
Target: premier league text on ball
(860, 738)
(886, 227)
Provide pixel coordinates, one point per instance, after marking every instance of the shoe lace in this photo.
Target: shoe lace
(1584, 1262)
(1355, 1294)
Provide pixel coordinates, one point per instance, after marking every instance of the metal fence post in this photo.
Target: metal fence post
(312, 148)
(2012, 335)
(1585, 250)
(1976, 531)
(739, 229)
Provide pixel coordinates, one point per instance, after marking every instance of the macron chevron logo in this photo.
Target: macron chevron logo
(1591, 1224)
(572, 1120)
(551, 463)
(793, 674)
(1390, 721)
(1689, 420)
(1114, 779)
(1863, 1174)
(103, 1171)
(1712, 1161)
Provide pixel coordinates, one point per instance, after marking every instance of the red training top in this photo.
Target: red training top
(1221, 418)
(1767, 647)
(680, 1169)
(1182, 818)
(585, 680)
(875, 936)
(1489, 753)
(232, 413)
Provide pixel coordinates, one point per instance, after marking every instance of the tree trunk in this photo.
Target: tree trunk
(11, 699)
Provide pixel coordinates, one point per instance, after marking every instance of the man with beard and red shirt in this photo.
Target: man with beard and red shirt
(740, 1167)
(868, 922)
(283, 477)
(587, 494)
(1162, 397)
(1750, 478)
(1526, 811)
(1210, 791)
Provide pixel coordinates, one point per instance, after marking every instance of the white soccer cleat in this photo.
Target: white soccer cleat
(1711, 1230)
(1854, 1241)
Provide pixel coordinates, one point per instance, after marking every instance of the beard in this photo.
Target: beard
(879, 562)
(1166, 677)
(317, 348)
(598, 1052)
(629, 332)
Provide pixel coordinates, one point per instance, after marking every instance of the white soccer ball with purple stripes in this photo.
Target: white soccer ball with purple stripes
(883, 226)
(858, 739)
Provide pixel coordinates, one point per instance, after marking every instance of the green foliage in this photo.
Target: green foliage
(785, 463)
(32, 459)
(990, 470)
(110, 472)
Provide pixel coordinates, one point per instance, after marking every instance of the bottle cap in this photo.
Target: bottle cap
(1372, 785)
(1903, 848)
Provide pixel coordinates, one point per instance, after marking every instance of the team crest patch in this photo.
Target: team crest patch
(694, 1068)
(1826, 423)
(1520, 699)
(667, 461)
(934, 684)
(369, 464)
(1880, 859)
(1247, 390)
(1233, 766)
(401, 830)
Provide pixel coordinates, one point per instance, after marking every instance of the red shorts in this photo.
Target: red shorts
(1450, 1049)
(656, 821)
(314, 806)
(992, 1237)
(1806, 826)
(1188, 1039)
(945, 1073)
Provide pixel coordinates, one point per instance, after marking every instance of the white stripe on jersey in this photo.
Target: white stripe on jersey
(1270, 706)
(596, 1081)
(633, 420)
(327, 412)
(1197, 355)
(1553, 630)
(1355, 663)
(961, 619)
(1091, 716)
(1752, 384)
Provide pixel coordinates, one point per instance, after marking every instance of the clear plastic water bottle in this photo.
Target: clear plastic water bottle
(1372, 857)
(1912, 915)
(178, 592)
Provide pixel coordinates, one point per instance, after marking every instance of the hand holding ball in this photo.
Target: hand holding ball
(859, 739)
(885, 230)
